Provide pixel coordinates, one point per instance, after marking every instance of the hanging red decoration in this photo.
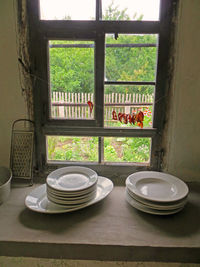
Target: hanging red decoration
(90, 104)
(128, 118)
(114, 114)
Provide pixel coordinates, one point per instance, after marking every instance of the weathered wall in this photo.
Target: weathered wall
(182, 157)
(183, 151)
(12, 105)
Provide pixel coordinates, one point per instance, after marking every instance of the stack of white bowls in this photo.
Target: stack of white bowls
(72, 187)
(156, 192)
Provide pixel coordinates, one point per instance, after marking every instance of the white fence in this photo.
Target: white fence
(74, 105)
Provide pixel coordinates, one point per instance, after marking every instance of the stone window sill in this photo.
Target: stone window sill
(109, 230)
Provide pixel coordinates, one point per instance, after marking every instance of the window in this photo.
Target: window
(93, 70)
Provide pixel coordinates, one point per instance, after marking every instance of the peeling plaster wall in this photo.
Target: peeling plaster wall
(183, 149)
(182, 156)
(12, 104)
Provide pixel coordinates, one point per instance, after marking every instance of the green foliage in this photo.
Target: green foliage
(113, 13)
(116, 149)
(72, 148)
(130, 63)
(124, 149)
(72, 68)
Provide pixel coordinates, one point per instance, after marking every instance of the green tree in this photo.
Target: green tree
(72, 68)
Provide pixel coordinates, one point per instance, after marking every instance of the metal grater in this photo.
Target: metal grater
(22, 148)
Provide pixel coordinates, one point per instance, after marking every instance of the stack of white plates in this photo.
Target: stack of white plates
(68, 189)
(71, 186)
(156, 192)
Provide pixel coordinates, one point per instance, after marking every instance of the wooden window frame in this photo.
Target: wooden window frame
(43, 30)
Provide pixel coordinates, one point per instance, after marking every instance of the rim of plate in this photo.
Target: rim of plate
(68, 202)
(34, 199)
(157, 205)
(72, 193)
(53, 178)
(134, 203)
(134, 179)
(69, 197)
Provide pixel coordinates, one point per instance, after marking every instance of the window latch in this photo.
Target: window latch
(116, 36)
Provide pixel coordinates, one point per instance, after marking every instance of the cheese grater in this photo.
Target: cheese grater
(22, 149)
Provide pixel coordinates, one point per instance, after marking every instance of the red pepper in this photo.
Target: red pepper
(90, 104)
(129, 118)
(140, 116)
(133, 118)
(120, 116)
(114, 114)
(125, 118)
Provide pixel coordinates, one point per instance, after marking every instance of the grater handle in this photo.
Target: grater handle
(21, 120)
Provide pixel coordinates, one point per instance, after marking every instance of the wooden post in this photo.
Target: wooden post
(53, 111)
(69, 99)
(72, 106)
(86, 109)
(82, 101)
(61, 108)
(127, 108)
(75, 108)
(79, 101)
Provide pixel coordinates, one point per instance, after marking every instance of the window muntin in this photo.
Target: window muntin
(132, 9)
(71, 71)
(67, 9)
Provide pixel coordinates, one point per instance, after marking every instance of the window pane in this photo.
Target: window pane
(72, 148)
(130, 9)
(128, 100)
(67, 9)
(71, 67)
(127, 149)
(131, 57)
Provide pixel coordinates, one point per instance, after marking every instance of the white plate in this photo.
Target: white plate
(158, 205)
(37, 199)
(134, 203)
(70, 202)
(72, 193)
(72, 179)
(71, 198)
(157, 186)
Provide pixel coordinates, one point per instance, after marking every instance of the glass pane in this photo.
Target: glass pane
(127, 149)
(67, 9)
(131, 57)
(122, 104)
(72, 148)
(71, 69)
(130, 9)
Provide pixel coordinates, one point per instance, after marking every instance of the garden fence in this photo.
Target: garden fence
(70, 105)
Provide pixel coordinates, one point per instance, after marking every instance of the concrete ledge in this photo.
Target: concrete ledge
(110, 230)
(100, 252)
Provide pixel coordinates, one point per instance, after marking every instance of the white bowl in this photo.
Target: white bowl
(5, 180)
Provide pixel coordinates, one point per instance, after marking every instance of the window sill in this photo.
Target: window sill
(109, 230)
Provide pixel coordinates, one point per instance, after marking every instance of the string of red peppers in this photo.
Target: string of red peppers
(123, 117)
